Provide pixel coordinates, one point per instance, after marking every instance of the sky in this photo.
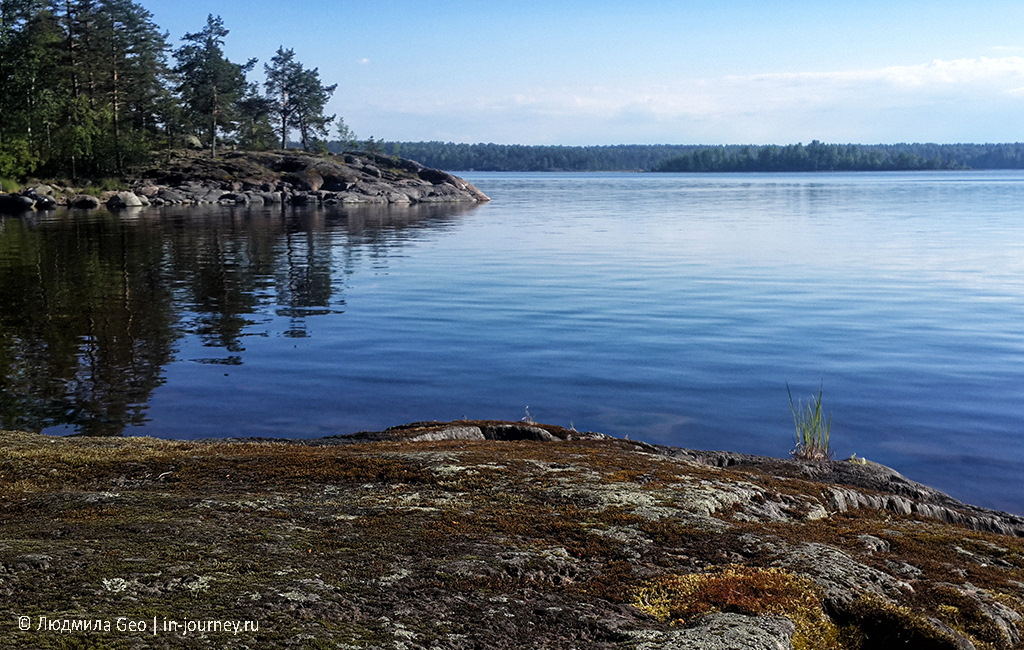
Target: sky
(598, 72)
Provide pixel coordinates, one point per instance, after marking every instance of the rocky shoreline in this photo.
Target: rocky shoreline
(487, 534)
(261, 178)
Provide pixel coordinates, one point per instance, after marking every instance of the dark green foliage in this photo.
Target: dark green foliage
(297, 98)
(86, 90)
(815, 156)
(211, 85)
(80, 83)
(513, 157)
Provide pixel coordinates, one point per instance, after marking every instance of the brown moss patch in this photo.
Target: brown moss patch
(871, 623)
(742, 590)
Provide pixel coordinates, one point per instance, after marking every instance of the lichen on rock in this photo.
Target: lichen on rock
(495, 534)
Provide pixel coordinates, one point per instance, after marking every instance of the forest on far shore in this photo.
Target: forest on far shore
(815, 156)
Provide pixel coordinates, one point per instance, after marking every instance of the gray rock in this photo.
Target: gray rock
(398, 197)
(1007, 622)
(517, 432)
(83, 201)
(124, 200)
(839, 575)
(450, 433)
(171, 196)
(723, 632)
(309, 180)
(208, 194)
(853, 485)
(873, 544)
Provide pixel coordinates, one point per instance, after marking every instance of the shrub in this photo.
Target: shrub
(16, 159)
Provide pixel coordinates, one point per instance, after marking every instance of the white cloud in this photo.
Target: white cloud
(846, 105)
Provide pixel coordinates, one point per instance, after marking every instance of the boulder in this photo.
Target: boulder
(337, 178)
(148, 191)
(170, 196)
(83, 202)
(123, 200)
(309, 180)
(42, 202)
(15, 203)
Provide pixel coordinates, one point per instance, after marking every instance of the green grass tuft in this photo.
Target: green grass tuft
(812, 429)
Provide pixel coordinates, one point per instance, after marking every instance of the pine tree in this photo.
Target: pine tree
(298, 97)
(211, 85)
(282, 78)
(310, 98)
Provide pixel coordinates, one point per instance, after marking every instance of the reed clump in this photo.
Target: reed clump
(812, 428)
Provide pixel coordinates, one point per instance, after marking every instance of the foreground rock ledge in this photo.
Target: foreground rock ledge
(477, 534)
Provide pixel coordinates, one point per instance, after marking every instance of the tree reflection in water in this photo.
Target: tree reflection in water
(92, 304)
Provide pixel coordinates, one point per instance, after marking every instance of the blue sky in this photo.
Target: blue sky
(601, 72)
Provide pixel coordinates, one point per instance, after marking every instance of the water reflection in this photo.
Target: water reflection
(92, 303)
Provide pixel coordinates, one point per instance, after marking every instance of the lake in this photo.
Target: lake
(669, 308)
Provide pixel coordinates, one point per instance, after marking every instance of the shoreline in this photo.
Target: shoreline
(258, 178)
(904, 496)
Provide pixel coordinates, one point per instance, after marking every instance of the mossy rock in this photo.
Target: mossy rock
(481, 534)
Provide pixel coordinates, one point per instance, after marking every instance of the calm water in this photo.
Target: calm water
(670, 308)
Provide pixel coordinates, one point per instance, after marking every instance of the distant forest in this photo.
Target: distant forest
(815, 156)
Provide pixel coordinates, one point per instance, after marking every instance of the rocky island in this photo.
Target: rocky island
(484, 534)
(259, 178)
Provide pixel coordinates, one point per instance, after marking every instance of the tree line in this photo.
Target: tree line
(514, 157)
(815, 156)
(92, 87)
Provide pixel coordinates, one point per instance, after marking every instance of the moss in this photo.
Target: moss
(870, 623)
(615, 582)
(964, 614)
(742, 590)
